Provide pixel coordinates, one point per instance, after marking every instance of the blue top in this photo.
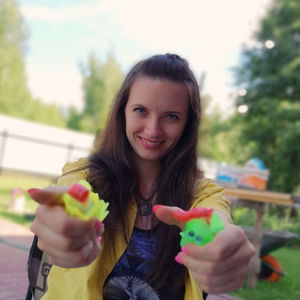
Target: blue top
(128, 279)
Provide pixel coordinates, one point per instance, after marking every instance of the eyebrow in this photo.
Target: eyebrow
(137, 104)
(174, 112)
(166, 112)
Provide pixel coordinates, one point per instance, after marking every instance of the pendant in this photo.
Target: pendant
(145, 209)
(144, 206)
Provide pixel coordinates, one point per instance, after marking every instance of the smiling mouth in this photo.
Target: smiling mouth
(150, 144)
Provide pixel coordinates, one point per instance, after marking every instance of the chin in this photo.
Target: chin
(149, 158)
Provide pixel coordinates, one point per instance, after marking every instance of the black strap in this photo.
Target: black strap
(35, 254)
(28, 294)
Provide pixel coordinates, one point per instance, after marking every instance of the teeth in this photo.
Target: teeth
(150, 143)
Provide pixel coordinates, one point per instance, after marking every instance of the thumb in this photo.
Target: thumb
(50, 195)
(167, 214)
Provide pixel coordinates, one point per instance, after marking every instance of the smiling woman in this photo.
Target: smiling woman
(145, 166)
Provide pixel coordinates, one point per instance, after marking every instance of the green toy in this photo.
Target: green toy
(201, 226)
(82, 203)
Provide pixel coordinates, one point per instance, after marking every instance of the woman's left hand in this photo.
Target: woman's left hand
(219, 266)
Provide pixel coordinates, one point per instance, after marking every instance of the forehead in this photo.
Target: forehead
(150, 90)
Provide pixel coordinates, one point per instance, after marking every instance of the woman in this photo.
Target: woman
(147, 156)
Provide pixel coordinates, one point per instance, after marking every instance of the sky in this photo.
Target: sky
(208, 33)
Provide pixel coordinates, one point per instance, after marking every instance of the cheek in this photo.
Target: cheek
(131, 127)
(127, 124)
(128, 130)
(176, 133)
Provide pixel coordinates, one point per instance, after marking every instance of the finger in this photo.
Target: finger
(56, 218)
(224, 245)
(50, 195)
(232, 285)
(166, 214)
(218, 279)
(81, 257)
(228, 242)
(188, 262)
(49, 237)
(238, 260)
(212, 282)
(217, 264)
(98, 226)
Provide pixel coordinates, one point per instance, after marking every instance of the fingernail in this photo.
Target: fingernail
(155, 208)
(185, 250)
(32, 191)
(179, 259)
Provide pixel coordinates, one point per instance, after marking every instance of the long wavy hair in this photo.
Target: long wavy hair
(114, 175)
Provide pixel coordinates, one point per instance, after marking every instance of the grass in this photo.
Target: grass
(10, 181)
(287, 288)
(22, 219)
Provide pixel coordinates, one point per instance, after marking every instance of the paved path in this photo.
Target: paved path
(15, 241)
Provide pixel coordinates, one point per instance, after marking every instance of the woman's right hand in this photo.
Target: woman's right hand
(68, 242)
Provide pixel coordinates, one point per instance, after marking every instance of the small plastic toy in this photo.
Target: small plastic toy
(82, 203)
(201, 225)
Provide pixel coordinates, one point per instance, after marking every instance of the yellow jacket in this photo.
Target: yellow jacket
(87, 282)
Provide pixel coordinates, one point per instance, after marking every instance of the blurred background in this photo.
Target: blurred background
(62, 61)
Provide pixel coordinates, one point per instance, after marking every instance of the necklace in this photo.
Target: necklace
(144, 205)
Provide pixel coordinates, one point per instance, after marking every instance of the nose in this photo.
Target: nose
(153, 127)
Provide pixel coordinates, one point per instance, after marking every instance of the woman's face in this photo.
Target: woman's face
(156, 114)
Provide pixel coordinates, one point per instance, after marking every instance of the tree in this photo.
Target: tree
(269, 72)
(15, 97)
(14, 92)
(100, 84)
(210, 117)
(41, 112)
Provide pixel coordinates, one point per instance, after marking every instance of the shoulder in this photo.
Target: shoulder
(206, 187)
(73, 172)
(209, 194)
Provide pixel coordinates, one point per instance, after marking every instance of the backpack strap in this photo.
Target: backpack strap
(38, 270)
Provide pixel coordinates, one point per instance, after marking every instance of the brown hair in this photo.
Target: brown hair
(113, 172)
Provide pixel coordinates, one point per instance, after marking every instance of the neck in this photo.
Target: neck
(148, 172)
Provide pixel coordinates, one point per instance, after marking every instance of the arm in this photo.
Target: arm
(217, 267)
(68, 242)
(224, 217)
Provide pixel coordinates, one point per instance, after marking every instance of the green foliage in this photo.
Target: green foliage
(224, 141)
(208, 118)
(243, 216)
(270, 129)
(288, 287)
(45, 113)
(12, 180)
(15, 97)
(14, 92)
(211, 132)
(274, 220)
(24, 219)
(100, 83)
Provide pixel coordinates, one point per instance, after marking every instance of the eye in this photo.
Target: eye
(191, 234)
(198, 238)
(172, 117)
(139, 110)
